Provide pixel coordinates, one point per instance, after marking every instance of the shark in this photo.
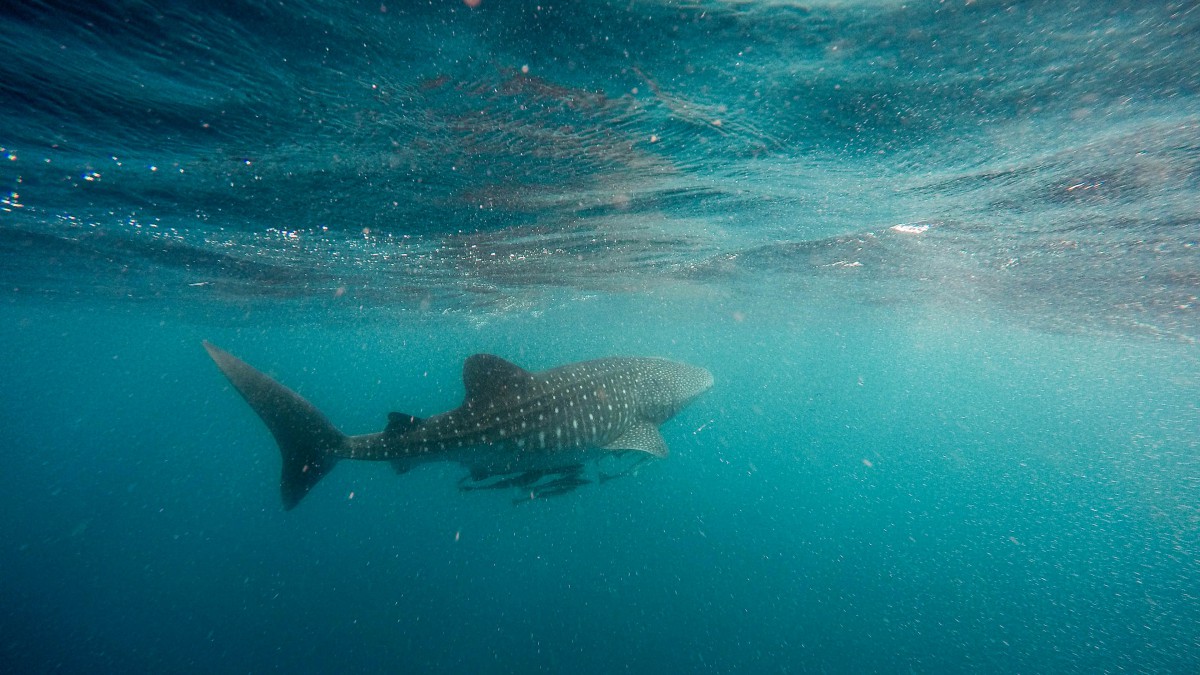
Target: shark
(532, 431)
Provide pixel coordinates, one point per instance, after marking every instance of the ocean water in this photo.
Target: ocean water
(942, 258)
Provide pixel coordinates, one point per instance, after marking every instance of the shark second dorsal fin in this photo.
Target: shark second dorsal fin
(486, 377)
(643, 437)
(401, 423)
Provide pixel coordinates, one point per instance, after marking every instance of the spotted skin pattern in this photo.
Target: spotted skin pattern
(536, 420)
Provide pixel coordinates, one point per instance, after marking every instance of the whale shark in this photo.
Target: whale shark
(532, 431)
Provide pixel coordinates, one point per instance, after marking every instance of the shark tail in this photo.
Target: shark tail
(305, 436)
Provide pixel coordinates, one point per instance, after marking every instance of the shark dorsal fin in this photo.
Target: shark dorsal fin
(486, 377)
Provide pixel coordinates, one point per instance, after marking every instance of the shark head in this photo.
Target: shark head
(669, 386)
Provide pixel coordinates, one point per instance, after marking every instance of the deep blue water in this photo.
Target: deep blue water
(943, 260)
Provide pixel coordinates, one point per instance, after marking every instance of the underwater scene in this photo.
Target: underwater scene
(486, 336)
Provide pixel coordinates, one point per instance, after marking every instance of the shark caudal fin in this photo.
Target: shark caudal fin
(304, 435)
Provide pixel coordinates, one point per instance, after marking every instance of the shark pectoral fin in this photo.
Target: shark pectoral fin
(642, 437)
(401, 423)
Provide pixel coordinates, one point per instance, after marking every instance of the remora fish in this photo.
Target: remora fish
(512, 423)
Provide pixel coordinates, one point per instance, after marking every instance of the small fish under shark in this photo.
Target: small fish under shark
(515, 428)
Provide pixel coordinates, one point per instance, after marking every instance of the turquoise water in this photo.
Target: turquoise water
(942, 261)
